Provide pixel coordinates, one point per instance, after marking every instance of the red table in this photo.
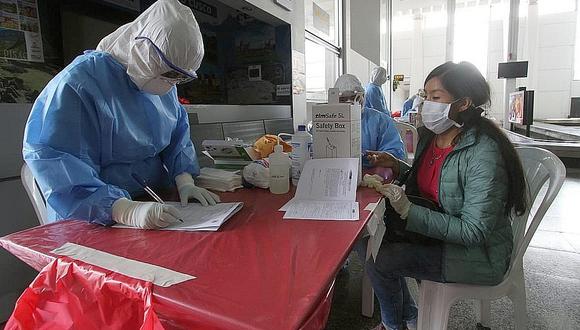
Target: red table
(257, 272)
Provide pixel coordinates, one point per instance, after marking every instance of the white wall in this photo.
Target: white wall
(545, 40)
(575, 88)
(494, 57)
(402, 53)
(365, 28)
(356, 63)
(416, 51)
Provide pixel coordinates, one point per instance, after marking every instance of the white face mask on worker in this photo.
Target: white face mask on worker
(157, 86)
(435, 116)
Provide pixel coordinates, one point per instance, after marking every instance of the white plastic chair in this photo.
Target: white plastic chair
(34, 193)
(435, 299)
(403, 129)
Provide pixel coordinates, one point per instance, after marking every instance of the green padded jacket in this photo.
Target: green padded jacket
(473, 190)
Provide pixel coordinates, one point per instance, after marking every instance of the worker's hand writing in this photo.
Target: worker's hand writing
(146, 215)
(397, 198)
(187, 189)
(383, 159)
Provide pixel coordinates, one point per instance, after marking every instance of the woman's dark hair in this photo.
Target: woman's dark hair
(463, 80)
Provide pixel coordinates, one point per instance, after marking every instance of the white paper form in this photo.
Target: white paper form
(210, 218)
(326, 191)
(323, 210)
(201, 218)
(328, 179)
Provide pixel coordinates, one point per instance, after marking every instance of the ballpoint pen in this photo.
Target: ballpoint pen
(150, 191)
(349, 177)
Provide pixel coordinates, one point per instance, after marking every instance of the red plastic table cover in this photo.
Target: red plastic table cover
(257, 272)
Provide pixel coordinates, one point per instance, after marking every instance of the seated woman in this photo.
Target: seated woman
(468, 167)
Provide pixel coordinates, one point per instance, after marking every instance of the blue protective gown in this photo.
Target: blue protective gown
(91, 128)
(375, 99)
(408, 105)
(379, 133)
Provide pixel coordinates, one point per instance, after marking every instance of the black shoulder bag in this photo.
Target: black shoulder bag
(396, 231)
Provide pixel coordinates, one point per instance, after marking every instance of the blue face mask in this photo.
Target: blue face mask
(435, 116)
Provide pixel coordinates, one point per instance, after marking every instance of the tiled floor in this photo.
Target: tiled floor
(552, 270)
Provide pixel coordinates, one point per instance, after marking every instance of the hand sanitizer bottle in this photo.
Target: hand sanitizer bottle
(279, 171)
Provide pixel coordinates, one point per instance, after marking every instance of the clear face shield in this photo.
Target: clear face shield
(352, 97)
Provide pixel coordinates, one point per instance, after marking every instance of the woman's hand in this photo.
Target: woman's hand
(399, 200)
(384, 159)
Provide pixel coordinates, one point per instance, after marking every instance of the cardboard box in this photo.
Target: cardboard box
(336, 130)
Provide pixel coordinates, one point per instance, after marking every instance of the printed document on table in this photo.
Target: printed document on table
(326, 190)
(327, 179)
(201, 218)
(323, 210)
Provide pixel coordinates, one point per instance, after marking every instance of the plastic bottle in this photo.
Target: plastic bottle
(301, 152)
(279, 171)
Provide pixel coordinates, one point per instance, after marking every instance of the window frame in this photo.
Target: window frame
(337, 49)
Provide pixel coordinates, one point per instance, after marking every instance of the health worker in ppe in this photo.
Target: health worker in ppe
(412, 104)
(113, 113)
(378, 131)
(374, 97)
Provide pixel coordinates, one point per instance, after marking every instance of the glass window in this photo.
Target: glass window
(321, 19)
(321, 71)
(322, 49)
(470, 35)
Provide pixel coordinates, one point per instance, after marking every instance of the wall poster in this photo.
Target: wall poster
(20, 37)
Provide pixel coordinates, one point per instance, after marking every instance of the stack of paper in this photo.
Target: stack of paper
(231, 154)
(219, 180)
(326, 191)
(201, 218)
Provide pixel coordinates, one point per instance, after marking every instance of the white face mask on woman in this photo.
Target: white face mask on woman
(435, 116)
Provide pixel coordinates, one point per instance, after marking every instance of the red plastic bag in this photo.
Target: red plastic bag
(70, 294)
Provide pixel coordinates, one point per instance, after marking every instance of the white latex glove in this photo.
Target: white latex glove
(372, 181)
(187, 189)
(146, 215)
(398, 199)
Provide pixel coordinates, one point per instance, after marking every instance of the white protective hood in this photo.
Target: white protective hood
(348, 85)
(171, 26)
(379, 76)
